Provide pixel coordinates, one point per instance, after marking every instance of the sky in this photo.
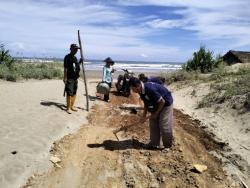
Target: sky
(133, 30)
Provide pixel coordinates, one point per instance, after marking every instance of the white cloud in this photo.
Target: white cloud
(184, 3)
(144, 55)
(44, 29)
(166, 24)
(210, 20)
(48, 27)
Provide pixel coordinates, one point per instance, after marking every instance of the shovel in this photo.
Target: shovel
(124, 128)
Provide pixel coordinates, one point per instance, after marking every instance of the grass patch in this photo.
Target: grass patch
(180, 75)
(12, 70)
(228, 83)
(40, 70)
(20, 70)
(226, 86)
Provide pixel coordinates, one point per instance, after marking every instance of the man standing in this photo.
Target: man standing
(157, 100)
(71, 74)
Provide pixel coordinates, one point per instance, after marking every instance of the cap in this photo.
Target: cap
(108, 60)
(74, 46)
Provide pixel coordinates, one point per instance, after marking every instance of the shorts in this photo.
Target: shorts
(71, 87)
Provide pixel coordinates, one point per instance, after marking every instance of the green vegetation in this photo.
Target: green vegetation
(202, 61)
(5, 58)
(226, 83)
(40, 70)
(12, 70)
(229, 85)
(180, 75)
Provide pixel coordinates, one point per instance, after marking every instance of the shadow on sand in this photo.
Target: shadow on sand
(119, 145)
(56, 104)
(93, 98)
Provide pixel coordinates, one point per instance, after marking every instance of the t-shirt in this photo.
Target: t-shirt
(151, 94)
(72, 66)
(107, 74)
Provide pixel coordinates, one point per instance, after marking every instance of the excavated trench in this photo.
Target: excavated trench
(94, 158)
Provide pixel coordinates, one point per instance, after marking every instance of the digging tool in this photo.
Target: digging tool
(83, 70)
(124, 128)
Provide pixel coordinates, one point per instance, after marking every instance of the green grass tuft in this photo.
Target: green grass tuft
(226, 86)
(31, 71)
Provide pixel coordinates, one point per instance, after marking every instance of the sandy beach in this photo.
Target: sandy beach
(32, 117)
(194, 134)
(230, 126)
(35, 126)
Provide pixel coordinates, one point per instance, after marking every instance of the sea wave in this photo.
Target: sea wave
(133, 66)
(139, 67)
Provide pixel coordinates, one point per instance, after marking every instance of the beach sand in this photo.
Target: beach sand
(229, 126)
(32, 117)
(93, 157)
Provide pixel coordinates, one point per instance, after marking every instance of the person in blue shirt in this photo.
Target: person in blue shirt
(158, 101)
(107, 75)
(156, 79)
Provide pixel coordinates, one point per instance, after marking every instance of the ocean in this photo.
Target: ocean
(135, 66)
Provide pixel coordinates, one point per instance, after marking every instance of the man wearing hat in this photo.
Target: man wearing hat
(159, 101)
(107, 75)
(71, 74)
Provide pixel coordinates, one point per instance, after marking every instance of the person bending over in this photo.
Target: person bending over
(156, 79)
(158, 101)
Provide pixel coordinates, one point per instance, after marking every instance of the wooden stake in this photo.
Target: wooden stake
(83, 70)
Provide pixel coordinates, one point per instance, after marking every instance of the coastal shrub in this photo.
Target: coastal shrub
(31, 71)
(11, 69)
(221, 73)
(237, 85)
(176, 76)
(181, 75)
(12, 76)
(4, 71)
(5, 57)
(40, 70)
(218, 62)
(218, 73)
(8, 74)
(202, 61)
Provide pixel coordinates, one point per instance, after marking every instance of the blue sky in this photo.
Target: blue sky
(140, 30)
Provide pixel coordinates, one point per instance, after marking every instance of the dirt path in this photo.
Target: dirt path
(94, 158)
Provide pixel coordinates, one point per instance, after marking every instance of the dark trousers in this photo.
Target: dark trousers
(71, 87)
(162, 127)
(106, 96)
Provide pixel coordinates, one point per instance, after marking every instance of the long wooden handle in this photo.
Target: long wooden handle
(127, 126)
(83, 70)
(124, 128)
